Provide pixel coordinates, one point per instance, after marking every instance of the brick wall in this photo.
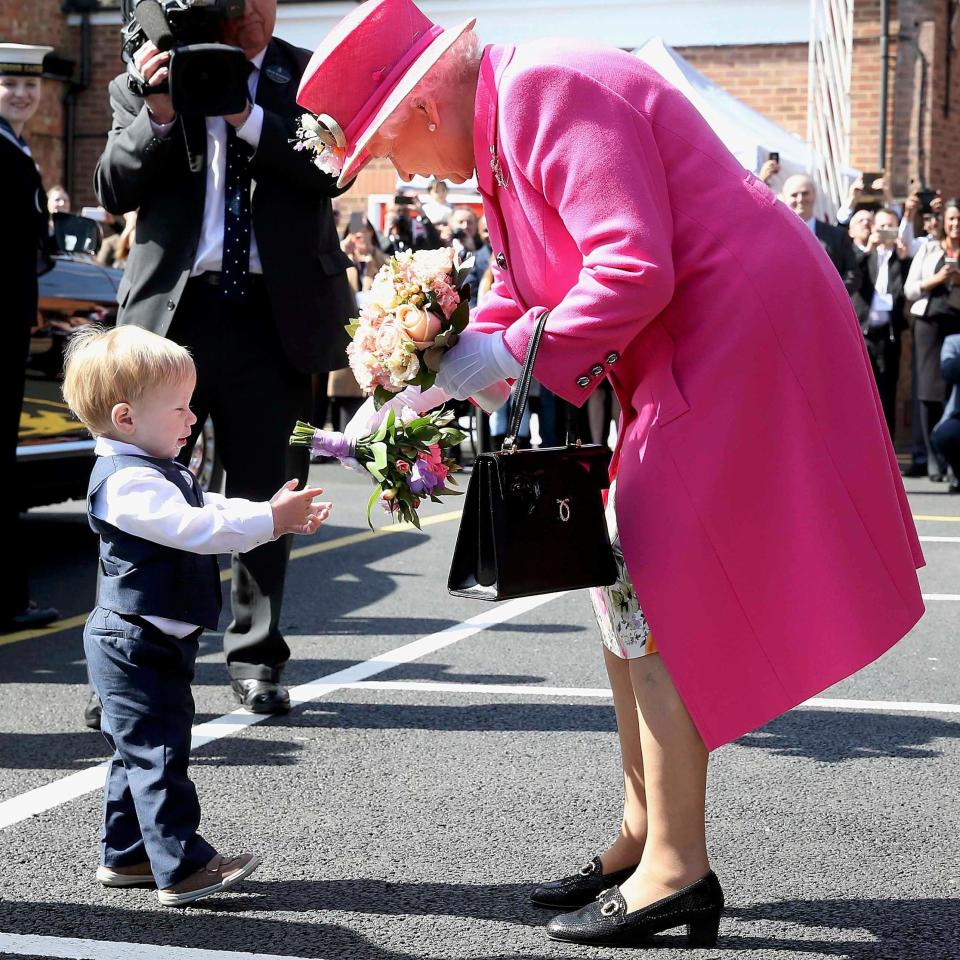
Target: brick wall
(770, 78)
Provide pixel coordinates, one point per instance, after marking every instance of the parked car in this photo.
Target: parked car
(54, 451)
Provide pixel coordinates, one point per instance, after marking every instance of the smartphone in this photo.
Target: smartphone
(401, 199)
(357, 222)
(926, 197)
(774, 156)
(887, 234)
(869, 193)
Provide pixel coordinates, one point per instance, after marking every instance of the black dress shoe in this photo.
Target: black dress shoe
(92, 711)
(32, 616)
(578, 890)
(607, 923)
(261, 696)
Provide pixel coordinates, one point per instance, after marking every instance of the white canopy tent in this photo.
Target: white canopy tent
(747, 134)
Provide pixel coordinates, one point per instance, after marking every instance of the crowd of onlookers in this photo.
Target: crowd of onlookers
(899, 265)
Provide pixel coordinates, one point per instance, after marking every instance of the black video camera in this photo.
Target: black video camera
(207, 78)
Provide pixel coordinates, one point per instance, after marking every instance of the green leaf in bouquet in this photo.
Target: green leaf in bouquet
(379, 451)
(352, 327)
(426, 434)
(375, 473)
(381, 396)
(464, 292)
(374, 497)
(433, 357)
(445, 491)
(451, 437)
(460, 317)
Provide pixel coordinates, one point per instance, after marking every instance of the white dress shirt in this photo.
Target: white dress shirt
(882, 304)
(210, 248)
(143, 503)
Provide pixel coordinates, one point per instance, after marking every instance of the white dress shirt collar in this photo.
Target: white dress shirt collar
(812, 224)
(108, 447)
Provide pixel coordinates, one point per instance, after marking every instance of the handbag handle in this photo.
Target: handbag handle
(523, 385)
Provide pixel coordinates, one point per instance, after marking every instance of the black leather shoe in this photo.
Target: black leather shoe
(261, 696)
(92, 711)
(32, 617)
(607, 923)
(576, 891)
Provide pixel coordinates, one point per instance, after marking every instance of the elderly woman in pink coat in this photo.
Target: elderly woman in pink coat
(769, 548)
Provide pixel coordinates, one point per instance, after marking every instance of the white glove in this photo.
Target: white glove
(366, 420)
(478, 360)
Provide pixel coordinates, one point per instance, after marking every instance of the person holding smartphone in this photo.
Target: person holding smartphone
(882, 262)
(933, 287)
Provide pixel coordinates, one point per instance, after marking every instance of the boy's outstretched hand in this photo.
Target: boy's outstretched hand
(294, 510)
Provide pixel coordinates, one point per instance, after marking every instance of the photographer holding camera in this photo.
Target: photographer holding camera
(251, 281)
(883, 263)
(407, 227)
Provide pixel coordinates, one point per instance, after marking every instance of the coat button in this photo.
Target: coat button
(613, 358)
(501, 261)
(171, 305)
(597, 370)
(583, 382)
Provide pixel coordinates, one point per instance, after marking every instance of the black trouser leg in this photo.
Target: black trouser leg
(930, 413)
(254, 396)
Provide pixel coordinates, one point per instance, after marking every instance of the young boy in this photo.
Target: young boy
(159, 586)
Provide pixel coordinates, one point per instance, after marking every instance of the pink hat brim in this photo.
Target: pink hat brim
(359, 157)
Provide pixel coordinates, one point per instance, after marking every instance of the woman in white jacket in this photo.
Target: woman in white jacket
(933, 286)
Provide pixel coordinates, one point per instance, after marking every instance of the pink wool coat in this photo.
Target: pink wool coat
(760, 506)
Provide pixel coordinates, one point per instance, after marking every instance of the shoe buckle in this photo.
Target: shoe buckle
(610, 907)
(587, 869)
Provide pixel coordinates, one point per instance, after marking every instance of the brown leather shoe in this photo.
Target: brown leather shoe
(217, 875)
(135, 875)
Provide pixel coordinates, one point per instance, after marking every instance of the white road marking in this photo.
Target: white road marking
(939, 539)
(22, 945)
(75, 785)
(941, 596)
(601, 693)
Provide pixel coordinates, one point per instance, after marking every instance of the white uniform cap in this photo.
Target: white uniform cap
(22, 59)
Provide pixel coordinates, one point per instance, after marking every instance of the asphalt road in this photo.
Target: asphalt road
(408, 816)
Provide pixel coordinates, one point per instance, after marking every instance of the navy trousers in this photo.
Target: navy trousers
(150, 806)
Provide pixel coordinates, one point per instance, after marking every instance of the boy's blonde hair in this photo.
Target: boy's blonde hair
(107, 367)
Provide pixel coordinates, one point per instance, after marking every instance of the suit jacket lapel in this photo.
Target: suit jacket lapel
(275, 85)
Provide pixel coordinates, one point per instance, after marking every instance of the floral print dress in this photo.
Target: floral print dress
(623, 627)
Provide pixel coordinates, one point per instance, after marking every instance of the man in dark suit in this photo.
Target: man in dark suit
(237, 258)
(800, 194)
(879, 300)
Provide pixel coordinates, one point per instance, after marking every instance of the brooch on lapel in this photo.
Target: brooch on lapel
(498, 174)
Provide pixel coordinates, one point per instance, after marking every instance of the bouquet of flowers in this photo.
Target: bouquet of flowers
(406, 456)
(417, 308)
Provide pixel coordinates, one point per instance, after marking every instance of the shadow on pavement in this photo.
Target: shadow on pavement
(835, 736)
(215, 924)
(902, 929)
(479, 718)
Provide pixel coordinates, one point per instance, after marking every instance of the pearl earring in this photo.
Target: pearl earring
(432, 128)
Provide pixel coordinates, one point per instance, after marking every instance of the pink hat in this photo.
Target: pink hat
(363, 70)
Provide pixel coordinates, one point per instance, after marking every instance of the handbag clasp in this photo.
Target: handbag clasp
(564, 506)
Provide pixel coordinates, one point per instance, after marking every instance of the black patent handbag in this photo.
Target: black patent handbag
(533, 520)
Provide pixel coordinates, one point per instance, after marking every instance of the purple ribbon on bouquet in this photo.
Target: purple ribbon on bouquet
(332, 443)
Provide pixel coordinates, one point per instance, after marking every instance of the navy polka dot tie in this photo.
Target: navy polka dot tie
(237, 223)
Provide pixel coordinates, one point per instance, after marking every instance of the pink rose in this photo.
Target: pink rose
(421, 326)
(403, 467)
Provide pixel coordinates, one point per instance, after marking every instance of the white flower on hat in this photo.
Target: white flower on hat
(314, 136)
